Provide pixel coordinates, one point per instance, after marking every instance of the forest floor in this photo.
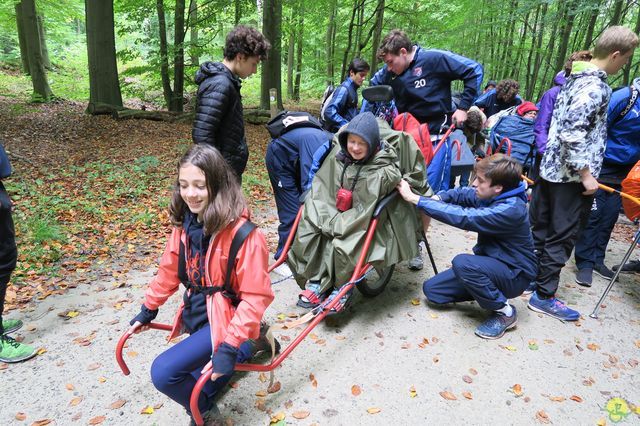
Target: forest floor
(90, 198)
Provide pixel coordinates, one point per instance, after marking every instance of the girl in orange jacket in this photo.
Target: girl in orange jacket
(207, 209)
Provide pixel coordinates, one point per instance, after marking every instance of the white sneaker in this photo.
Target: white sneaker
(283, 270)
(416, 263)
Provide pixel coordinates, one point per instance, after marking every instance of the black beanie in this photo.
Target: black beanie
(365, 126)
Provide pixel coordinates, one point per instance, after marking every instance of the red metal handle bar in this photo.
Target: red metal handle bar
(443, 139)
(456, 143)
(287, 244)
(508, 141)
(125, 337)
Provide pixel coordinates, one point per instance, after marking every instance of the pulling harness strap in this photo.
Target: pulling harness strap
(227, 291)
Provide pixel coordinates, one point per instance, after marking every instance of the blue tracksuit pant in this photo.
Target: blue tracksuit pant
(593, 239)
(483, 279)
(176, 371)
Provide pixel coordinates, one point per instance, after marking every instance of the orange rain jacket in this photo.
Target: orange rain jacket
(250, 281)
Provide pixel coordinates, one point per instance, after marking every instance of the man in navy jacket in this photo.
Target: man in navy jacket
(503, 263)
(421, 80)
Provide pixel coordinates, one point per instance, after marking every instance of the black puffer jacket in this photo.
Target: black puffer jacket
(219, 120)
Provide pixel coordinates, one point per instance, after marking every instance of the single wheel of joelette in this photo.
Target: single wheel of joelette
(376, 282)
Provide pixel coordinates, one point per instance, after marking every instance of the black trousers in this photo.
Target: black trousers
(8, 250)
(558, 212)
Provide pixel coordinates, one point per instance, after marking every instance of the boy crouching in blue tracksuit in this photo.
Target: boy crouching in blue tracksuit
(503, 263)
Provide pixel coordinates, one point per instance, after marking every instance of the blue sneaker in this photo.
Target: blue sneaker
(496, 325)
(530, 289)
(553, 307)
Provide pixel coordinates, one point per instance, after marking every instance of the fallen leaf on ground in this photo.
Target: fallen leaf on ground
(97, 420)
(373, 410)
(158, 406)
(340, 337)
(467, 379)
(473, 371)
(132, 354)
(601, 422)
(147, 410)
(448, 395)
(413, 392)
(509, 348)
(575, 398)
(633, 363)
(274, 388)
(542, 417)
(260, 404)
(94, 366)
(593, 346)
(406, 345)
(102, 379)
(533, 345)
(3, 365)
(262, 377)
(278, 417)
(314, 382)
(557, 398)
(415, 302)
(117, 404)
(517, 389)
(41, 351)
(467, 395)
(261, 393)
(436, 360)
(75, 401)
(355, 390)
(69, 386)
(21, 416)
(434, 316)
(41, 422)
(300, 415)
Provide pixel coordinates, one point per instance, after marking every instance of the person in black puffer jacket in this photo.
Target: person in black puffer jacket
(219, 121)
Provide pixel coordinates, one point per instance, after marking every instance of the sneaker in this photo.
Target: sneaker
(211, 417)
(495, 326)
(633, 266)
(261, 345)
(552, 307)
(11, 325)
(416, 263)
(603, 271)
(532, 287)
(12, 351)
(584, 277)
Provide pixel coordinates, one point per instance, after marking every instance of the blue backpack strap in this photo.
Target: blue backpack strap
(633, 96)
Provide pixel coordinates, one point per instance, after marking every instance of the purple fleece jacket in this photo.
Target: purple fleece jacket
(543, 121)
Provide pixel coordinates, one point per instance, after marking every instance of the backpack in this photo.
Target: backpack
(406, 122)
(492, 120)
(288, 120)
(227, 291)
(327, 97)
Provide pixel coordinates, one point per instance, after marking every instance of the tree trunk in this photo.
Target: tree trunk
(299, 44)
(377, 34)
(271, 72)
(104, 87)
(177, 101)
(164, 57)
(193, 39)
(24, 55)
(237, 11)
(592, 25)
(359, 25)
(516, 64)
(535, 34)
(347, 50)
(617, 13)
(567, 27)
(330, 39)
(43, 43)
(291, 53)
(41, 90)
(626, 80)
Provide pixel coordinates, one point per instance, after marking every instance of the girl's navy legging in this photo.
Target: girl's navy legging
(175, 371)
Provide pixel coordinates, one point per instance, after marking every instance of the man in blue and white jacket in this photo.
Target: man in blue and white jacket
(503, 262)
(621, 154)
(343, 104)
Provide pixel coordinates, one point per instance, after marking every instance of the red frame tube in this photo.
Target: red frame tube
(443, 139)
(125, 337)
(508, 141)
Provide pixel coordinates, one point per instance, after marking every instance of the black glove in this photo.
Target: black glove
(145, 316)
(224, 359)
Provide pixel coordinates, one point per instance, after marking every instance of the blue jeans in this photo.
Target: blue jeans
(481, 278)
(593, 239)
(176, 371)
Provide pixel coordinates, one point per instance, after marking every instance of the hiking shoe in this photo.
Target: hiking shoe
(532, 287)
(603, 271)
(261, 345)
(283, 270)
(416, 263)
(11, 325)
(211, 417)
(12, 351)
(633, 266)
(495, 326)
(552, 307)
(584, 277)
